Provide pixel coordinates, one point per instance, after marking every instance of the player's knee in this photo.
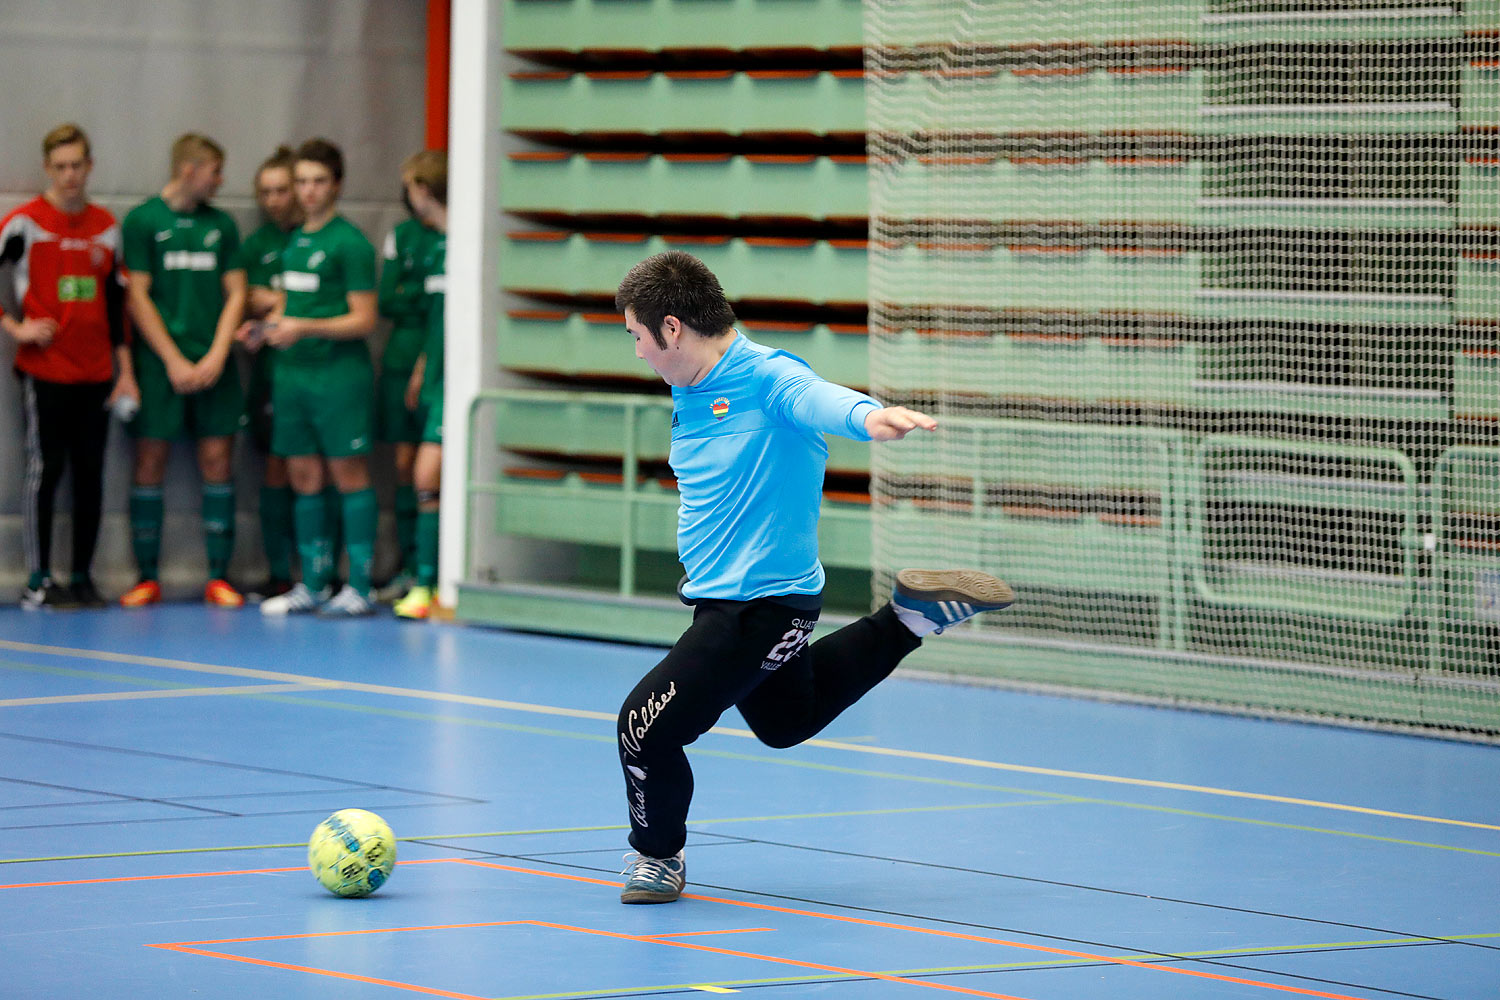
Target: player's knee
(643, 728)
(776, 737)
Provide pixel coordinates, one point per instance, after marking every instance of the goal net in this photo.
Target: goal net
(1206, 296)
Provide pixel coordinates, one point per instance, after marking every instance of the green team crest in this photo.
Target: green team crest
(77, 288)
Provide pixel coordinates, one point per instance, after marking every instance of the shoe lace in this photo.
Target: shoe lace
(645, 867)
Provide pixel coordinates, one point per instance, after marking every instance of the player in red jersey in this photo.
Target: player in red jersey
(62, 297)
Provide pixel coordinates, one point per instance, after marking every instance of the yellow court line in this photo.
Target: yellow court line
(187, 692)
(840, 745)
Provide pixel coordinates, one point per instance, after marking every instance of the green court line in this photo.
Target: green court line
(93, 675)
(321, 683)
(784, 761)
(612, 827)
(1248, 952)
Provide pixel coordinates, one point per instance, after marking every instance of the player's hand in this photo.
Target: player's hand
(38, 330)
(250, 335)
(892, 423)
(413, 390)
(282, 331)
(125, 388)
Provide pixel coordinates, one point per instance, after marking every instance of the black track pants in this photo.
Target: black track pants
(66, 427)
(750, 654)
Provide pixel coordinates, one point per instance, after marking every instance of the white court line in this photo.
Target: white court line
(322, 684)
(191, 692)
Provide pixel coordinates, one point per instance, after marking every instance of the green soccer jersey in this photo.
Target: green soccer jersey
(402, 299)
(318, 271)
(435, 283)
(260, 256)
(186, 254)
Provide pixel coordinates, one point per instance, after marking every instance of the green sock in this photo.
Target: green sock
(313, 545)
(427, 548)
(35, 580)
(276, 529)
(333, 519)
(361, 515)
(146, 516)
(218, 527)
(406, 526)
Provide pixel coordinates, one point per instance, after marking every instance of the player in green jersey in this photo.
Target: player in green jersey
(260, 256)
(403, 301)
(322, 395)
(186, 295)
(425, 177)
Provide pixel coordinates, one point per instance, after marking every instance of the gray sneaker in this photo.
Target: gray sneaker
(653, 880)
(297, 601)
(347, 603)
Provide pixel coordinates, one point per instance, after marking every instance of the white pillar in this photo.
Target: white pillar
(473, 277)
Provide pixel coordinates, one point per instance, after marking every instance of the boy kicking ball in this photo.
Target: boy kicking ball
(748, 452)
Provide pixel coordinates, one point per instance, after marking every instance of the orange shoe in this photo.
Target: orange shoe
(144, 593)
(221, 594)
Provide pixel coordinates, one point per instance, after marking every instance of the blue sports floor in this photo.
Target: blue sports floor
(161, 770)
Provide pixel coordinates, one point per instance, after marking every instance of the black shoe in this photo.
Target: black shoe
(52, 596)
(86, 595)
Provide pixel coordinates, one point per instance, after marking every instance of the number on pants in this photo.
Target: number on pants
(790, 645)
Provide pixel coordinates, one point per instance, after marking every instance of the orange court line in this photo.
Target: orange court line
(795, 963)
(727, 930)
(1028, 947)
(334, 934)
(153, 878)
(938, 933)
(353, 977)
(190, 946)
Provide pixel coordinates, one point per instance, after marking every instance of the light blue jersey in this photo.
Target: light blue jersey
(749, 455)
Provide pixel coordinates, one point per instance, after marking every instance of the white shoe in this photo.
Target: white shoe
(297, 601)
(347, 603)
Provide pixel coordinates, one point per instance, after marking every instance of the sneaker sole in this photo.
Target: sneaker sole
(983, 591)
(642, 896)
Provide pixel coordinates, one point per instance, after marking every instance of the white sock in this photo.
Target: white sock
(917, 623)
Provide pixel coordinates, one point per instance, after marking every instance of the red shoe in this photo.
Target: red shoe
(144, 593)
(220, 594)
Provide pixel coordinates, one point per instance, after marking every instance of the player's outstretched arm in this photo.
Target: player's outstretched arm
(892, 423)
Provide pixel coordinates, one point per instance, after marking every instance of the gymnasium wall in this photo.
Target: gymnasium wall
(138, 73)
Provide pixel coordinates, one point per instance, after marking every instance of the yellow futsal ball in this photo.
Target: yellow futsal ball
(352, 852)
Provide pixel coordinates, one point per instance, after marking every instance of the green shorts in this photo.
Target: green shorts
(432, 420)
(325, 409)
(218, 411)
(394, 423)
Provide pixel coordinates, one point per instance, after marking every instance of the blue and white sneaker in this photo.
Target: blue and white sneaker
(347, 603)
(653, 880)
(931, 600)
(297, 601)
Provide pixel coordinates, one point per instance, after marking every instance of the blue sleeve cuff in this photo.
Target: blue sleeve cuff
(857, 418)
